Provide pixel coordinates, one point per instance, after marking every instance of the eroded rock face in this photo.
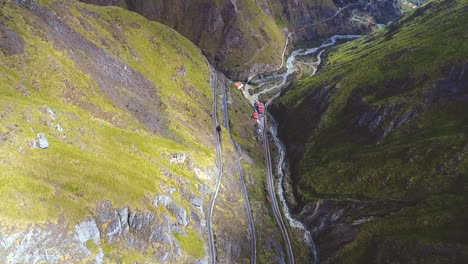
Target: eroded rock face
(384, 11)
(162, 199)
(377, 121)
(180, 213)
(197, 202)
(87, 230)
(46, 244)
(141, 230)
(454, 86)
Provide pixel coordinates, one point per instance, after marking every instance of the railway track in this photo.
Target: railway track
(272, 194)
(219, 163)
(253, 239)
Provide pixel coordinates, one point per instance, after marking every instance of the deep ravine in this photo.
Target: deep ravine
(281, 81)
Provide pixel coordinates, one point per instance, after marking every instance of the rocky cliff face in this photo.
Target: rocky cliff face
(111, 234)
(234, 35)
(377, 143)
(244, 37)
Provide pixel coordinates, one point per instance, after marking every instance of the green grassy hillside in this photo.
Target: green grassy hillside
(115, 95)
(385, 120)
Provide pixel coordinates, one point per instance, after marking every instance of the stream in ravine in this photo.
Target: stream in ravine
(273, 83)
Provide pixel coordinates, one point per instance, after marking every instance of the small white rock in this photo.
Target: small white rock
(33, 143)
(51, 113)
(43, 142)
(178, 158)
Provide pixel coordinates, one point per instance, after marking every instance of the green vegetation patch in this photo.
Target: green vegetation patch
(191, 244)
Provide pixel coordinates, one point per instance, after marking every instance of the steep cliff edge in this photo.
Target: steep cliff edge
(377, 142)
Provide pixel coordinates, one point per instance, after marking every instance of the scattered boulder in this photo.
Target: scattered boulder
(181, 70)
(3, 137)
(204, 189)
(180, 213)
(178, 158)
(168, 189)
(33, 143)
(196, 201)
(50, 112)
(202, 175)
(161, 234)
(162, 199)
(42, 141)
(87, 230)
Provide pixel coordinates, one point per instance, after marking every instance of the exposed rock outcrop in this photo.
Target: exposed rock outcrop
(116, 227)
(88, 230)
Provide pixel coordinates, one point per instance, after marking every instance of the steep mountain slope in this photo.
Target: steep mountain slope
(232, 33)
(123, 106)
(241, 37)
(377, 142)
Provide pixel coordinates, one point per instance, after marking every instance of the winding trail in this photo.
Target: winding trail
(214, 195)
(252, 232)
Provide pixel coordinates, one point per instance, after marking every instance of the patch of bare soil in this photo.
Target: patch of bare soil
(11, 43)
